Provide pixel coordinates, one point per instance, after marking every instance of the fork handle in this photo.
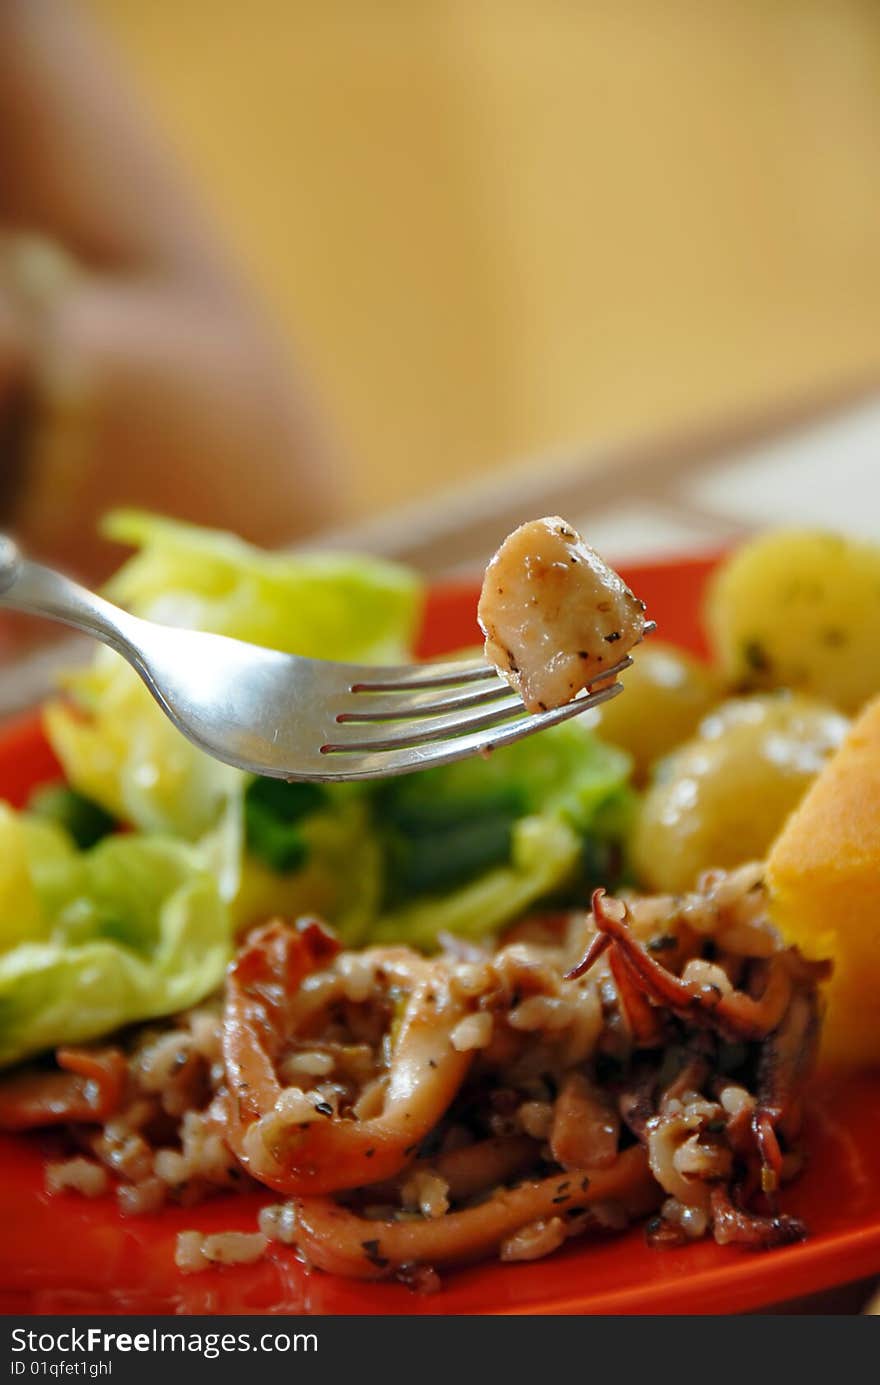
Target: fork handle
(30, 587)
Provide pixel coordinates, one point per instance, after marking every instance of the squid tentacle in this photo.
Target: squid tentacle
(89, 1087)
(742, 1015)
(337, 1239)
(330, 1153)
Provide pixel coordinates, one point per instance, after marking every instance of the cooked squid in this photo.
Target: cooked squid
(555, 616)
(296, 1144)
(647, 1058)
(86, 1086)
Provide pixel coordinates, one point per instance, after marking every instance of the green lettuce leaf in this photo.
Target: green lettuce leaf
(86, 822)
(128, 930)
(340, 877)
(464, 848)
(470, 846)
(543, 857)
(324, 605)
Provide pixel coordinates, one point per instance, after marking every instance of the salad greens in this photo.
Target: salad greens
(97, 931)
(469, 846)
(90, 940)
(462, 848)
(273, 817)
(85, 821)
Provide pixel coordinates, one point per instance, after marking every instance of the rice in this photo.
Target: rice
(580, 1038)
(470, 979)
(141, 1199)
(235, 1247)
(195, 1252)
(164, 1059)
(610, 1216)
(693, 1221)
(188, 1254)
(308, 1064)
(127, 1155)
(541, 1012)
(170, 1167)
(474, 1031)
(170, 1068)
(534, 1241)
(77, 1175)
(296, 1107)
(707, 975)
(205, 1030)
(536, 1118)
(695, 1159)
(358, 976)
(167, 1143)
(277, 1222)
(427, 1192)
(736, 1099)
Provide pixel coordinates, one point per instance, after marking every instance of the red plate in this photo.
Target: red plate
(68, 1255)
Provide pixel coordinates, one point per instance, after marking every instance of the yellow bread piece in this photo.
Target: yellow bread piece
(824, 878)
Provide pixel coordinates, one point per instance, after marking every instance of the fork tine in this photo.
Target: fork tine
(359, 736)
(383, 764)
(430, 675)
(455, 723)
(429, 702)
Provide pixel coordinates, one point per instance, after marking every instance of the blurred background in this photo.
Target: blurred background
(461, 233)
(498, 227)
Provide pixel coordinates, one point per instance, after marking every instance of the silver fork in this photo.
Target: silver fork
(291, 717)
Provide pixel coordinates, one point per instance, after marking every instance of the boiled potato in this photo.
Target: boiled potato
(800, 609)
(666, 694)
(722, 797)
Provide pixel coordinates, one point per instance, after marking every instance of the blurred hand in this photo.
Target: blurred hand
(146, 375)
